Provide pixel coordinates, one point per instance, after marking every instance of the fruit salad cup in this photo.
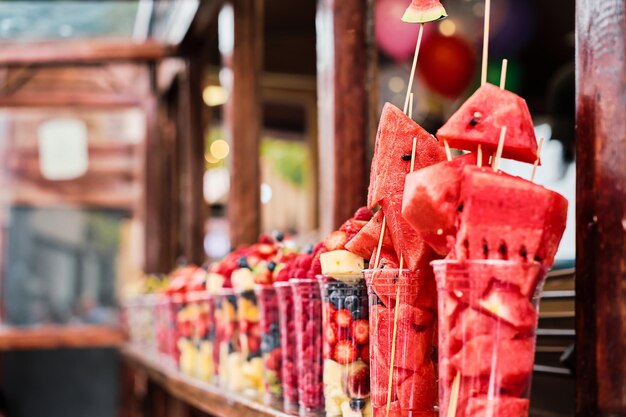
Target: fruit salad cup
(200, 304)
(270, 343)
(165, 328)
(308, 317)
(140, 321)
(186, 313)
(249, 316)
(403, 304)
(345, 332)
(487, 326)
(229, 361)
(289, 357)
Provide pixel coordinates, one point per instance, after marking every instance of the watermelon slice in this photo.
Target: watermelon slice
(506, 217)
(424, 11)
(417, 289)
(431, 200)
(513, 361)
(366, 240)
(472, 323)
(419, 391)
(417, 253)
(501, 406)
(508, 305)
(380, 379)
(480, 118)
(392, 154)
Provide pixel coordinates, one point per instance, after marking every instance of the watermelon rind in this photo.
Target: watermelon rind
(415, 14)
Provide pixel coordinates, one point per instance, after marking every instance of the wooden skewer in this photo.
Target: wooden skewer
(454, 395)
(532, 177)
(412, 75)
(410, 113)
(495, 164)
(483, 79)
(392, 358)
(448, 152)
(505, 65)
(380, 243)
(479, 156)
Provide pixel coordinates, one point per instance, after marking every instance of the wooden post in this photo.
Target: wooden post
(192, 162)
(601, 208)
(243, 118)
(343, 108)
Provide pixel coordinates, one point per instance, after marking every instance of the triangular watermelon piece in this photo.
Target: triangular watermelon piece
(392, 154)
(424, 11)
(501, 406)
(431, 200)
(480, 119)
(417, 253)
(506, 217)
(366, 240)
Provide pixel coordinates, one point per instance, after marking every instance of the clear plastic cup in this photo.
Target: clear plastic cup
(345, 332)
(165, 329)
(270, 344)
(185, 344)
(308, 318)
(227, 341)
(288, 347)
(249, 317)
(402, 303)
(487, 326)
(200, 312)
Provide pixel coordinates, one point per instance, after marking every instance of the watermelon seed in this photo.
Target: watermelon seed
(502, 250)
(395, 279)
(475, 119)
(473, 122)
(407, 157)
(485, 249)
(460, 208)
(538, 259)
(523, 252)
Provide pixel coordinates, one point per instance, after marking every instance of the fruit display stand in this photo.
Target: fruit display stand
(204, 397)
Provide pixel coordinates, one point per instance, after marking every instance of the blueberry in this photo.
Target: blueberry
(231, 348)
(243, 262)
(279, 236)
(357, 403)
(274, 329)
(253, 355)
(271, 266)
(249, 295)
(336, 299)
(308, 249)
(351, 303)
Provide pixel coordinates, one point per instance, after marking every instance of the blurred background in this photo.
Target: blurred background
(89, 200)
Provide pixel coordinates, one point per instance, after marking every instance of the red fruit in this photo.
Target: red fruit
(330, 335)
(345, 352)
(299, 273)
(273, 360)
(366, 240)
(305, 261)
(510, 306)
(358, 380)
(365, 353)
(266, 239)
(363, 213)
(360, 331)
(352, 227)
(380, 380)
(265, 249)
(472, 323)
(343, 318)
(499, 406)
(419, 391)
(254, 343)
(336, 240)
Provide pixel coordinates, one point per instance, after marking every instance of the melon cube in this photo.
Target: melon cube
(509, 306)
(419, 391)
(502, 406)
(366, 240)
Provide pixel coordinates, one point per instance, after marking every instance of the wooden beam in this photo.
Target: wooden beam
(601, 208)
(343, 108)
(55, 337)
(69, 100)
(84, 51)
(192, 165)
(243, 120)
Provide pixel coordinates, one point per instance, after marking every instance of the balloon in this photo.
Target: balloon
(394, 37)
(447, 64)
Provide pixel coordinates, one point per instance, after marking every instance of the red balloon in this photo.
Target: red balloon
(394, 37)
(447, 64)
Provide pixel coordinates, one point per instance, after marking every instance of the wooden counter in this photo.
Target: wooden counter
(200, 395)
(54, 337)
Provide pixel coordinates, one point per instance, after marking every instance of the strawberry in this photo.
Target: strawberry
(358, 380)
(336, 240)
(343, 318)
(330, 335)
(273, 360)
(305, 261)
(360, 331)
(345, 352)
(266, 239)
(365, 353)
(364, 214)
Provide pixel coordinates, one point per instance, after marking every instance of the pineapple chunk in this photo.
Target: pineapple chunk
(341, 262)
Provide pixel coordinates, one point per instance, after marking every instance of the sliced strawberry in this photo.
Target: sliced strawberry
(358, 380)
(330, 335)
(360, 331)
(343, 318)
(365, 353)
(363, 214)
(336, 240)
(345, 352)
